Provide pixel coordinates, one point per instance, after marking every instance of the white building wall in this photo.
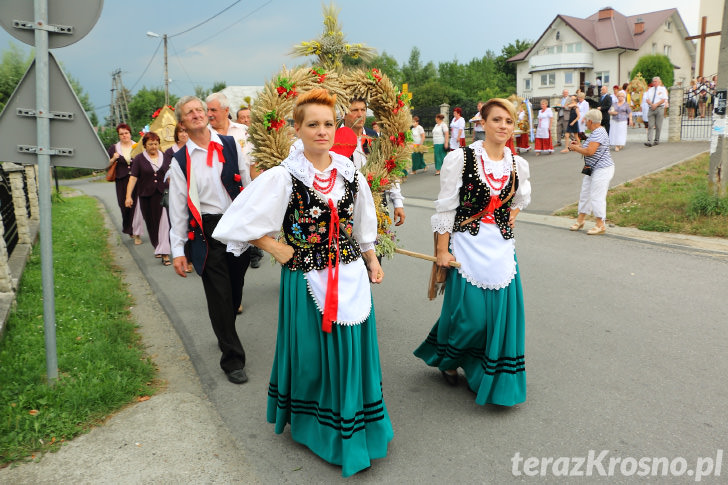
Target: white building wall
(713, 9)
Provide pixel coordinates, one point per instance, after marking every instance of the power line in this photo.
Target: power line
(229, 26)
(205, 21)
(146, 68)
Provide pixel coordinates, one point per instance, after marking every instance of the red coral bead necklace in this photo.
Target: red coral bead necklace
(325, 185)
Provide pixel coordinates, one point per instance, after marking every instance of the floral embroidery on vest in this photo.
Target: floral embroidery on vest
(306, 227)
(474, 198)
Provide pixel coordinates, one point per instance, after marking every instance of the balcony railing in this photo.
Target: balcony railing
(574, 60)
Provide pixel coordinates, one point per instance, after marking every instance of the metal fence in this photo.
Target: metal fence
(696, 117)
(7, 210)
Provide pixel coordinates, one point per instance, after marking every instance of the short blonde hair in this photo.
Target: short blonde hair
(318, 96)
(501, 103)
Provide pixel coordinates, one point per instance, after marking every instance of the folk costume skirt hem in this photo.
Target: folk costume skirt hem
(481, 331)
(327, 386)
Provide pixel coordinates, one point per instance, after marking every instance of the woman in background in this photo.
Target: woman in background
(621, 113)
(439, 138)
(131, 220)
(147, 176)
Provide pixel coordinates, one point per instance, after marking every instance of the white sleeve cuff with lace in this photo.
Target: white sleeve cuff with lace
(442, 222)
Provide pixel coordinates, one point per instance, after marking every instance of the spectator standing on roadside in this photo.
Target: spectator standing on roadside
(418, 140)
(478, 130)
(656, 98)
(457, 129)
(562, 123)
(439, 141)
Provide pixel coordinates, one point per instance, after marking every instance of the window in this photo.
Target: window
(666, 49)
(527, 84)
(668, 25)
(569, 77)
(548, 79)
(654, 47)
(573, 47)
(554, 49)
(604, 75)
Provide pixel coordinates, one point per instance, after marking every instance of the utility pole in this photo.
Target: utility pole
(718, 172)
(119, 110)
(166, 73)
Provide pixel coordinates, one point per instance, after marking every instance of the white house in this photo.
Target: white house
(572, 52)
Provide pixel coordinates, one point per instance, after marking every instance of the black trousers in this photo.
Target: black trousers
(222, 280)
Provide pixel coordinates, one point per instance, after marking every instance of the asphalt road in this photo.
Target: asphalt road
(625, 349)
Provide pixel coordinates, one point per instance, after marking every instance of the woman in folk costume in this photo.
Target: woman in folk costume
(524, 144)
(483, 187)
(543, 131)
(131, 217)
(326, 379)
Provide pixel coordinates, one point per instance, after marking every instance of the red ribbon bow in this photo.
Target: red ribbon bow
(493, 204)
(212, 147)
(331, 306)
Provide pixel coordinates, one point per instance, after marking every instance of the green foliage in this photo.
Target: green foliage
(655, 65)
(13, 65)
(389, 66)
(704, 203)
(101, 362)
(85, 100)
(414, 73)
(143, 105)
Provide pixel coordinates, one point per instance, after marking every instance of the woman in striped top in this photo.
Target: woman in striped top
(593, 197)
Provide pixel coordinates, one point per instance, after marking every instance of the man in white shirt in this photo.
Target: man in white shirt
(478, 130)
(355, 119)
(656, 98)
(215, 168)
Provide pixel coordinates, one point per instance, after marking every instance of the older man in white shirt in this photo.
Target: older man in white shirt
(204, 178)
(656, 98)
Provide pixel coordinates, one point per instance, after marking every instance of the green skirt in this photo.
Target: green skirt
(481, 331)
(328, 386)
(418, 161)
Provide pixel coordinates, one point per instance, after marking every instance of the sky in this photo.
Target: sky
(249, 42)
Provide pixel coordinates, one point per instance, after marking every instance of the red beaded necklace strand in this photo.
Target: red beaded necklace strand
(325, 185)
(492, 181)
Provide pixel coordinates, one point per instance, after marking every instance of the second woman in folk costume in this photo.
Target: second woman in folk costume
(543, 131)
(483, 187)
(326, 380)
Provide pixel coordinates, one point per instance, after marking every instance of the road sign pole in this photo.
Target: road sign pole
(42, 89)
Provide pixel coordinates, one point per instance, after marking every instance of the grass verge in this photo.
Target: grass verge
(101, 361)
(676, 199)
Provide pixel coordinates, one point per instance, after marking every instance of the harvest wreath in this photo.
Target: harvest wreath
(388, 154)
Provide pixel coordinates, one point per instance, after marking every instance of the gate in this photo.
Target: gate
(696, 117)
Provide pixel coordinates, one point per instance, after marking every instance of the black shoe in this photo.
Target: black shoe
(648, 144)
(656, 143)
(255, 263)
(237, 376)
(451, 379)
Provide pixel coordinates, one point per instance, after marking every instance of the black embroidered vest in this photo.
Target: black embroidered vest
(306, 228)
(475, 195)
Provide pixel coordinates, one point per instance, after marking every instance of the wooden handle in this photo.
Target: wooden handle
(427, 257)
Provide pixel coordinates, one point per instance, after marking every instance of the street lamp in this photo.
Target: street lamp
(166, 75)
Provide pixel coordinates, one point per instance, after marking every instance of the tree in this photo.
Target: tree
(12, 67)
(389, 66)
(85, 100)
(655, 65)
(414, 73)
(143, 105)
(509, 68)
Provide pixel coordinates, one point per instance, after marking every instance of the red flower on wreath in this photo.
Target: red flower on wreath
(370, 177)
(320, 72)
(375, 75)
(390, 165)
(286, 87)
(397, 140)
(384, 181)
(272, 122)
(401, 98)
